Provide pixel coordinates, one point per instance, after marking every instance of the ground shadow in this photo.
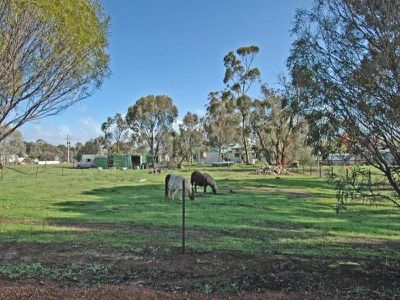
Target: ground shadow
(247, 219)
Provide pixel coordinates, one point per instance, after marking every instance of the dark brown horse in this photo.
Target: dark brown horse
(203, 179)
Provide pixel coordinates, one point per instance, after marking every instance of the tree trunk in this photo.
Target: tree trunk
(244, 138)
(245, 150)
(283, 155)
(264, 147)
(277, 156)
(153, 159)
(180, 163)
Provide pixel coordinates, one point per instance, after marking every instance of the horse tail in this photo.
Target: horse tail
(167, 178)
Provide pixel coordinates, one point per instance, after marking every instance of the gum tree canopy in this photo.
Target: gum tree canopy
(346, 58)
(151, 119)
(52, 54)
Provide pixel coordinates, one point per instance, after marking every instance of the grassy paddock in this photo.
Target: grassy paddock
(292, 215)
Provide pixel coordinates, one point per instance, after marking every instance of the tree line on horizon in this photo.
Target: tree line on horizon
(343, 84)
(272, 127)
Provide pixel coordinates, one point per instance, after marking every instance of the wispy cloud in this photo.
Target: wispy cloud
(89, 129)
(85, 129)
(52, 134)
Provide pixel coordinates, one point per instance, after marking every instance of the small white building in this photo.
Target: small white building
(48, 162)
(209, 157)
(88, 158)
(233, 153)
(87, 161)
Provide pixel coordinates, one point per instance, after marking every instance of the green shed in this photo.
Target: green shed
(122, 161)
(149, 158)
(101, 161)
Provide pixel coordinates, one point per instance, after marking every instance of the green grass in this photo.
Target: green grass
(293, 215)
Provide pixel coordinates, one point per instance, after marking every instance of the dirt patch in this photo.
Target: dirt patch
(65, 270)
(49, 290)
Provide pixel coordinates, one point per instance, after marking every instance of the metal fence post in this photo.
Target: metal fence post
(183, 217)
(369, 180)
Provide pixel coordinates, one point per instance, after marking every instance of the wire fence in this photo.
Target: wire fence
(37, 170)
(376, 178)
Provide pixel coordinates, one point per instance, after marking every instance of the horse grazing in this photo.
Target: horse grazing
(173, 185)
(203, 179)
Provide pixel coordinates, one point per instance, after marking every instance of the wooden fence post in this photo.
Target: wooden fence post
(320, 170)
(183, 217)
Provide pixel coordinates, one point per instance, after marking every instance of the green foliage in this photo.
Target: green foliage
(190, 139)
(42, 150)
(78, 25)
(220, 122)
(345, 60)
(151, 119)
(28, 270)
(207, 289)
(12, 145)
(115, 130)
(278, 124)
(359, 185)
(59, 57)
(84, 274)
(240, 75)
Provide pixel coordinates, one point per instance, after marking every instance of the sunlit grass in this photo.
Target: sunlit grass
(291, 215)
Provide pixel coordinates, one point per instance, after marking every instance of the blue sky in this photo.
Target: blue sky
(174, 47)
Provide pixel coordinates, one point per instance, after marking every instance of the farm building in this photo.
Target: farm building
(88, 158)
(209, 157)
(101, 161)
(122, 161)
(232, 152)
(116, 161)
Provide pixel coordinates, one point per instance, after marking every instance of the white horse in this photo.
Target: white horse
(173, 185)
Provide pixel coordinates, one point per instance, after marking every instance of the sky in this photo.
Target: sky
(174, 48)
